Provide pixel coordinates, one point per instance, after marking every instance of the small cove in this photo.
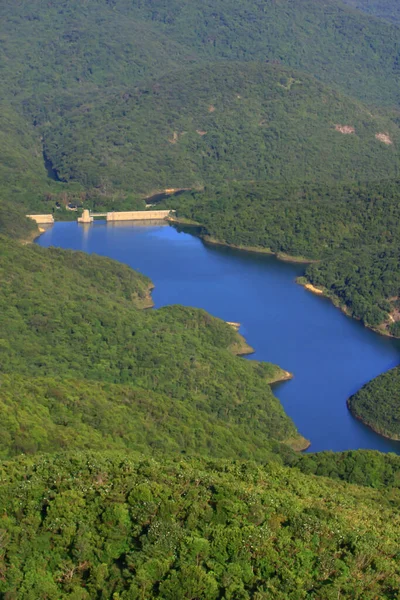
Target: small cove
(330, 355)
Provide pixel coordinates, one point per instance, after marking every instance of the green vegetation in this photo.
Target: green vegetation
(361, 467)
(261, 122)
(387, 9)
(366, 282)
(187, 385)
(14, 224)
(92, 91)
(377, 404)
(115, 526)
(314, 221)
(50, 414)
(101, 43)
(123, 431)
(354, 229)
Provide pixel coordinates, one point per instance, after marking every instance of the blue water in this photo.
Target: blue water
(330, 355)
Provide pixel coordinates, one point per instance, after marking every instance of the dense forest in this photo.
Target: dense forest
(179, 360)
(109, 413)
(141, 457)
(378, 404)
(208, 125)
(112, 525)
(365, 282)
(387, 9)
(361, 467)
(313, 220)
(108, 99)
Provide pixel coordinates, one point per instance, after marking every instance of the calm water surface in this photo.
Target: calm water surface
(330, 355)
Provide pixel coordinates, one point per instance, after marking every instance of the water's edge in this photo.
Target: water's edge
(330, 354)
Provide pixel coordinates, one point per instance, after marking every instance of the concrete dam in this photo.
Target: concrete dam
(42, 219)
(133, 215)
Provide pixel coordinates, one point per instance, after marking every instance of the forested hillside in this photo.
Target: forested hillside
(386, 9)
(220, 123)
(365, 282)
(378, 404)
(362, 467)
(126, 97)
(140, 456)
(115, 526)
(88, 44)
(354, 229)
(186, 382)
(314, 220)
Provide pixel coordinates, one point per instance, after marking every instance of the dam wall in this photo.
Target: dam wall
(133, 215)
(42, 219)
(138, 215)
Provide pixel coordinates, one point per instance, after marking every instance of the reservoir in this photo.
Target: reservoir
(330, 355)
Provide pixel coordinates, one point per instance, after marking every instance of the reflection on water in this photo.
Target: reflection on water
(330, 355)
(137, 223)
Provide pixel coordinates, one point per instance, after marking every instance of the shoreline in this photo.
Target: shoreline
(33, 237)
(369, 425)
(147, 301)
(283, 376)
(183, 221)
(322, 293)
(240, 347)
(299, 444)
(258, 250)
(208, 239)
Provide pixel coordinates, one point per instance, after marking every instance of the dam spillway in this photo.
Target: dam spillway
(133, 215)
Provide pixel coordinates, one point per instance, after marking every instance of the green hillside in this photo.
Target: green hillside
(112, 526)
(365, 282)
(13, 222)
(180, 364)
(354, 229)
(81, 45)
(140, 456)
(102, 86)
(23, 177)
(313, 220)
(386, 9)
(84, 369)
(223, 122)
(361, 467)
(377, 404)
(52, 414)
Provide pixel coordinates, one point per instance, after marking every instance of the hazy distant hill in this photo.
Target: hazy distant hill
(387, 9)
